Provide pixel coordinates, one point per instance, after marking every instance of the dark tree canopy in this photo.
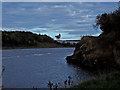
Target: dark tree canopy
(109, 22)
(21, 38)
(29, 39)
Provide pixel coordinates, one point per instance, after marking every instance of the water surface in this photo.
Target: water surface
(25, 68)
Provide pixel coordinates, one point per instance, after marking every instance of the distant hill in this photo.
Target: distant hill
(22, 39)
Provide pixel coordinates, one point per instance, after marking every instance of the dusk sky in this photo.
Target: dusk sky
(71, 20)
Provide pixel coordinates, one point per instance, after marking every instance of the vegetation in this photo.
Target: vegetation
(109, 21)
(22, 39)
(111, 80)
(1, 74)
(55, 86)
(100, 53)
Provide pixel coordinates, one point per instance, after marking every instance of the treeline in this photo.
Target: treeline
(21, 38)
(28, 39)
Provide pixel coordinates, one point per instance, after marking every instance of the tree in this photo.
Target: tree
(109, 22)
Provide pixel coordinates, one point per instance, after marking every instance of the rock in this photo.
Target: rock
(96, 52)
(116, 52)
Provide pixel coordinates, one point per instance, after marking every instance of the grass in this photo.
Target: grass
(111, 80)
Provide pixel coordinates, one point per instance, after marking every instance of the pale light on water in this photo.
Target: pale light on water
(25, 68)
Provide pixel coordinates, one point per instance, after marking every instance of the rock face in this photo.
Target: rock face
(97, 52)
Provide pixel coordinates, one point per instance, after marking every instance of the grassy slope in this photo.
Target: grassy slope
(111, 80)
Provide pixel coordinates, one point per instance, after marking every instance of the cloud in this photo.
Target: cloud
(39, 29)
(60, 1)
(15, 29)
(84, 25)
(59, 6)
(65, 31)
(68, 18)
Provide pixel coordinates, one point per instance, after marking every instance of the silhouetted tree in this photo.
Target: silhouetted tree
(109, 21)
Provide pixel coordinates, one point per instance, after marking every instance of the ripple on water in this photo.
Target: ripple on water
(38, 54)
(25, 69)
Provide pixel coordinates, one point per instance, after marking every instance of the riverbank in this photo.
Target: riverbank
(97, 53)
(31, 47)
(112, 80)
(22, 39)
(101, 53)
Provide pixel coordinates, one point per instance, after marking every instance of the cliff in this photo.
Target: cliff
(100, 52)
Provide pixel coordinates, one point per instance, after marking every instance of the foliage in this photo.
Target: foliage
(111, 80)
(21, 38)
(109, 22)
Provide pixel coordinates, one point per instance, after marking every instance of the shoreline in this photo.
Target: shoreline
(32, 48)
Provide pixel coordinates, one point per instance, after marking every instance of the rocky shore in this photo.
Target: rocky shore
(100, 52)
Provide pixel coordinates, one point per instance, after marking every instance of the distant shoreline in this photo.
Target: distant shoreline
(32, 47)
(22, 39)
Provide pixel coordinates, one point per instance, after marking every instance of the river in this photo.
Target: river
(27, 68)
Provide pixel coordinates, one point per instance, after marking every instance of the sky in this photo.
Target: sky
(71, 19)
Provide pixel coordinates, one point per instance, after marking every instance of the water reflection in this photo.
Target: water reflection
(79, 74)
